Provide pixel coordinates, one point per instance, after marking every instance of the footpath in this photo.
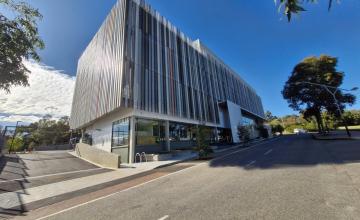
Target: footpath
(44, 197)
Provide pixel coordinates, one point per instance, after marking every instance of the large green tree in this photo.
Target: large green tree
(19, 39)
(48, 131)
(303, 93)
(292, 7)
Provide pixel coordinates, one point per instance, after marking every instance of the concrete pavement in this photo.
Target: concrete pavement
(294, 177)
(27, 182)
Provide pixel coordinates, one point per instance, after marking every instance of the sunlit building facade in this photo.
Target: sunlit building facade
(142, 86)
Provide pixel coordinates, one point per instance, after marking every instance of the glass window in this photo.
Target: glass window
(120, 133)
(180, 132)
(149, 132)
(248, 121)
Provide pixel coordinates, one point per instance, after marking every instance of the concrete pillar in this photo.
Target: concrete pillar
(167, 135)
(132, 141)
(82, 136)
(216, 135)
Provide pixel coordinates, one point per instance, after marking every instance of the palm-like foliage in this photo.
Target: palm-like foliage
(295, 6)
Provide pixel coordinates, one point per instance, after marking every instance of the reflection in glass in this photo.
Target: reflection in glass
(149, 133)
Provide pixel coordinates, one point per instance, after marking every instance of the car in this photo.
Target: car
(299, 131)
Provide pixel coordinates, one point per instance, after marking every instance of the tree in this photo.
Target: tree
(277, 128)
(243, 133)
(16, 145)
(295, 6)
(48, 131)
(202, 137)
(19, 40)
(303, 93)
(269, 116)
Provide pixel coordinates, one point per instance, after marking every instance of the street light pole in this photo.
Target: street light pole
(333, 94)
(12, 141)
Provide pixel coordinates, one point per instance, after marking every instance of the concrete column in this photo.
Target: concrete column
(132, 140)
(167, 135)
(82, 136)
(216, 135)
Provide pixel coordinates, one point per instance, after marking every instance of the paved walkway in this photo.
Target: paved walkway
(19, 194)
(18, 190)
(294, 177)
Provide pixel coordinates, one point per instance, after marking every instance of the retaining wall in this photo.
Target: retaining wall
(97, 156)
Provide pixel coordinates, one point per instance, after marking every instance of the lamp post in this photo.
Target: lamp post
(12, 141)
(333, 94)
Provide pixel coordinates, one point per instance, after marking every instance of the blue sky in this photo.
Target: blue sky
(250, 36)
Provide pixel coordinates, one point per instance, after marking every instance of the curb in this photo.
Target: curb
(333, 139)
(176, 162)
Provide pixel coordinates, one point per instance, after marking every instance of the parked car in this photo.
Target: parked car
(299, 131)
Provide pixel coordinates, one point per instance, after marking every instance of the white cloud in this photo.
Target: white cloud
(50, 92)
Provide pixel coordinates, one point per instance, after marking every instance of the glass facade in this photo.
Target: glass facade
(150, 136)
(139, 60)
(181, 135)
(176, 76)
(248, 121)
(120, 139)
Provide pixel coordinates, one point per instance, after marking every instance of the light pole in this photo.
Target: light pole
(333, 94)
(12, 141)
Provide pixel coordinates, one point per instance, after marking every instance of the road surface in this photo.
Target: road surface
(293, 177)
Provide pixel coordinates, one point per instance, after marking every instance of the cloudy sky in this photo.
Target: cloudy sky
(50, 92)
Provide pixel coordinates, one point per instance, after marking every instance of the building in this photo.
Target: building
(142, 85)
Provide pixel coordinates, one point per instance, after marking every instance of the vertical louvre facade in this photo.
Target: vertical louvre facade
(139, 60)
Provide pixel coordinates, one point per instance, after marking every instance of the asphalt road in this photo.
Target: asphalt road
(293, 177)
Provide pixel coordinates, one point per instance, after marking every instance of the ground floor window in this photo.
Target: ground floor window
(182, 136)
(150, 136)
(248, 121)
(120, 139)
(224, 135)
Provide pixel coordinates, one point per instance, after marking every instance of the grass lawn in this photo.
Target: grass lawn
(357, 127)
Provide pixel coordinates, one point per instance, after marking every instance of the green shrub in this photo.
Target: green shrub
(202, 141)
(243, 133)
(277, 128)
(16, 145)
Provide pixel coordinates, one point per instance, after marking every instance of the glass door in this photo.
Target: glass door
(120, 139)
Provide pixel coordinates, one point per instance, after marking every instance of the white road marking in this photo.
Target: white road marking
(251, 163)
(55, 174)
(150, 181)
(267, 152)
(163, 218)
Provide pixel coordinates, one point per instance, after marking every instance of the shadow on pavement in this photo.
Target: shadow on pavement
(12, 167)
(293, 151)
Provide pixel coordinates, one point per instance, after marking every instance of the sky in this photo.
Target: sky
(250, 36)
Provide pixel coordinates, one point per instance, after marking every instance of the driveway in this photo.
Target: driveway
(294, 177)
(18, 172)
(17, 166)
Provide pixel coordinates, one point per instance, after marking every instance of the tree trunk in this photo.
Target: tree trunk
(319, 122)
(347, 129)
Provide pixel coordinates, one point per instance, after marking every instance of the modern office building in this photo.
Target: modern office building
(142, 85)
